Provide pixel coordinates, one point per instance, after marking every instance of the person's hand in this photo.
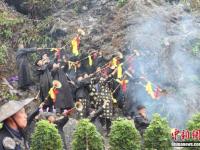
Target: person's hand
(92, 114)
(41, 105)
(55, 66)
(72, 82)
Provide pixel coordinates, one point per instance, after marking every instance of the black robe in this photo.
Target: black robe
(82, 95)
(141, 123)
(131, 102)
(23, 67)
(44, 78)
(82, 90)
(64, 98)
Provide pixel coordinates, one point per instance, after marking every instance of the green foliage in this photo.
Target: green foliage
(124, 135)
(194, 124)
(157, 135)
(3, 54)
(196, 49)
(8, 20)
(121, 3)
(86, 137)
(6, 32)
(46, 137)
(7, 24)
(1, 125)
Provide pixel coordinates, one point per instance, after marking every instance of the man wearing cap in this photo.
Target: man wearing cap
(141, 121)
(14, 119)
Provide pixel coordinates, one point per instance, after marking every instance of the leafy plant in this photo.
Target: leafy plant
(196, 49)
(124, 135)
(194, 124)
(121, 2)
(46, 137)
(86, 137)
(3, 54)
(7, 24)
(157, 135)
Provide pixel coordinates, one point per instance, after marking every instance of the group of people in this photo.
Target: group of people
(91, 83)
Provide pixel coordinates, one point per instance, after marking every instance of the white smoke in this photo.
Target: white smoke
(165, 35)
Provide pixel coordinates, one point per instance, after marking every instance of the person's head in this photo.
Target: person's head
(141, 110)
(18, 120)
(39, 63)
(78, 64)
(85, 75)
(13, 113)
(64, 57)
(51, 119)
(20, 46)
(100, 54)
(98, 69)
(79, 78)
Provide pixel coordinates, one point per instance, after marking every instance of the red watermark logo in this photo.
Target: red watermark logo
(185, 138)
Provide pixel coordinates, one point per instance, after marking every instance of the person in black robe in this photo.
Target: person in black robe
(23, 66)
(82, 94)
(43, 77)
(141, 120)
(64, 98)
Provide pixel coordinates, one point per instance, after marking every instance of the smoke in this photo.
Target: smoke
(165, 35)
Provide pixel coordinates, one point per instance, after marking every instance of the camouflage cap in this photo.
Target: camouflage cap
(11, 107)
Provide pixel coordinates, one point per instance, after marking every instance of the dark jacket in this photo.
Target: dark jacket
(82, 90)
(24, 72)
(17, 136)
(64, 98)
(7, 132)
(43, 76)
(141, 123)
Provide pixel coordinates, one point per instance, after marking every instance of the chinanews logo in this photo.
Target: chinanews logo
(185, 138)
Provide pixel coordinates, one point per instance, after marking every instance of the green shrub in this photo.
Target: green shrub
(3, 54)
(157, 135)
(86, 137)
(7, 24)
(124, 135)
(196, 49)
(194, 124)
(46, 137)
(121, 2)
